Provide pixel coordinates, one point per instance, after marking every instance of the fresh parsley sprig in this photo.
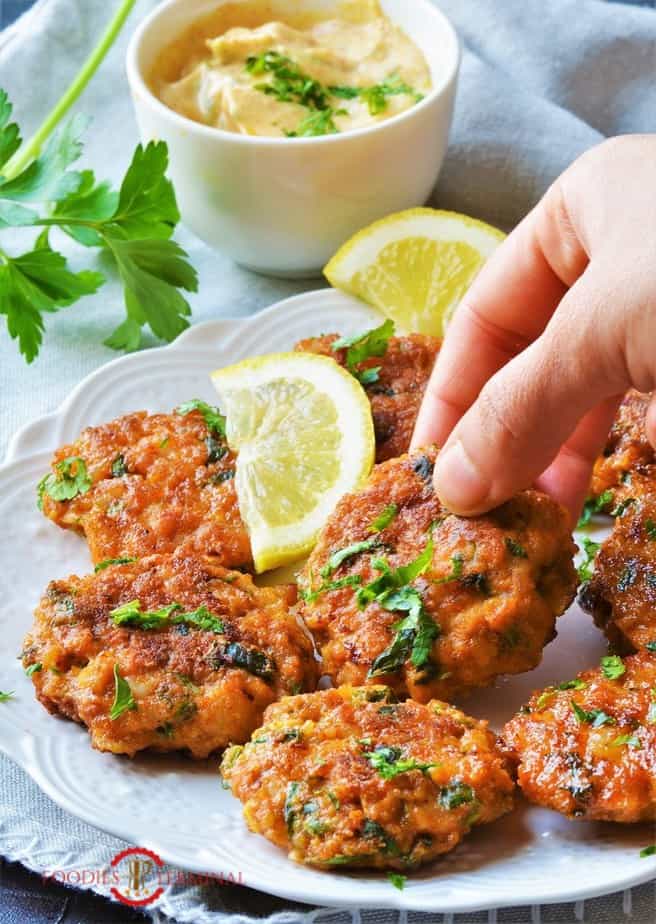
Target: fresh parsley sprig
(361, 347)
(132, 225)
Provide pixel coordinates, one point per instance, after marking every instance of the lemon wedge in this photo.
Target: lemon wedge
(302, 428)
(414, 266)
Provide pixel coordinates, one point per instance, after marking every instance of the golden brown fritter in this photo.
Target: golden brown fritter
(345, 777)
(397, 393)
(628, 461)
(621, 594)
(588, 748)
(398, 590)
(201, 650)
(149, 483)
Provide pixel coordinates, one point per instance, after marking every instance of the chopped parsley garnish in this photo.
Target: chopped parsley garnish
(376, 96)
(594, 505)
(595, 717)
(215, 450)
(416, 632)
(456, 570)
(123, 699)
(622, 507)
(586, 568)
(388, 761)
(224, 476)
(113, 561)
(398, 880)
(515, 548)
(650, 528)
(612, 667)
(289, 812)
(576, 684)
(319, 122)
(456, 794)
(651, 646)
(371, 829)
(361, 347)
(68, 481)
(631, 740)
(249, 659)
(131, 614)
(351, 580)
(349, 551)
(4, 697)
(118, 466)
(384, 519)
(627, 577)
(214, 419)
(34, 668)
(648, 851)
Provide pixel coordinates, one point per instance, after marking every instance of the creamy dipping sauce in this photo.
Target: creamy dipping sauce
(296, 80)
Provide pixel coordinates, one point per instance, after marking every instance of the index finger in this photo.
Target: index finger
(506, 309)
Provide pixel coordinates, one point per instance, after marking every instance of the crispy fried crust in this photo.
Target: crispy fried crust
(396, 396)
(170, 495)
(622, 592)
(495, 585)
(308, 786)
(628, 455)
(189, 691)
(603, 773)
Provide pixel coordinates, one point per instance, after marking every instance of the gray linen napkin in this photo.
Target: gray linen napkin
(540, 83)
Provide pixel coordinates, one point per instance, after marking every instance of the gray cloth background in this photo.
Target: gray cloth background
(541, 81)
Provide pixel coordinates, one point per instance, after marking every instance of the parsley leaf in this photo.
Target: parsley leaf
(595, 717)
(37, 282)
(648, 851)
(123, 698)
(4, 697)
(69, 479)
(351, 580)
(631, 740)
(47, 178)
(34, 668)
(361, 347)
(612, 667)
(650, 528)
(113, 561)
(594, 505)
(10, 139)
(384, 519)
(586, 568)
(456, 794)
(515, 548)
(349, 551)
(398, 880)
(214, 419)
(389, 762)
(131, 614)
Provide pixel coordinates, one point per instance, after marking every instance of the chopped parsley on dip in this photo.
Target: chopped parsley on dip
(280, 79)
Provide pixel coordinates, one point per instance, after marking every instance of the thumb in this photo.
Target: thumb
(525, 415)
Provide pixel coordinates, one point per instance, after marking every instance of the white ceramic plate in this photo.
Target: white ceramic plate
(177, 807)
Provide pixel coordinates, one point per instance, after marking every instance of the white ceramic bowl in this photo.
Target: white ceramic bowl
(284, 205)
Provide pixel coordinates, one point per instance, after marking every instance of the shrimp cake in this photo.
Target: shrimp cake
(190, 662)
(621, 595)
(396, 395)
(149, 483)
(400, 591)
(587, 748)
(347, 777)
(628, 462)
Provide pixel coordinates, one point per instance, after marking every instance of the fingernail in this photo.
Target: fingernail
(458, 482)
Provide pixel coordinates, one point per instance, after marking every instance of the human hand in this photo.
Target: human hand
(556, 327)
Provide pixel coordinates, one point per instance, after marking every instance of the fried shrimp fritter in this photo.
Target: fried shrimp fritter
(398, 590)
(621, 595)
(346, 777)
(149, 483)
(587, 748)
(171, 652)
(397, 392)
(628, 455)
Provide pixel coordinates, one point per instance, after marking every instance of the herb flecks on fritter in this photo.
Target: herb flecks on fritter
(400, 591)
(394, 372)
(348, 777)
(587, 747)
(172, 652)
(148, 483)
(621, 592)
(628, 460)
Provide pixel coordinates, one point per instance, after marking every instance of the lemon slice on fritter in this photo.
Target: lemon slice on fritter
(414, 266)
(302, 428)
